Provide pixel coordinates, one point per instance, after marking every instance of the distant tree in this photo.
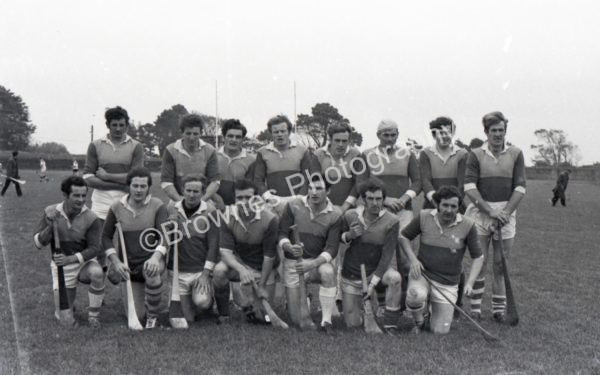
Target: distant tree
(252, 144)
(322, 116)
(132, 130)
(50, 148)
(475, 143)
(147, 136)
(166, 126)
(264, 136)
(555, 149)
(15, 126)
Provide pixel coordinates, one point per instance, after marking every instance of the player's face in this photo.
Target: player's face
(374, 201)
(388, 137)
(192, 192)
(76, 198)
(233, 140)
(243, 198)
(443, 136)
(117, 129)
(280, 134)
(190, 137)
(448, 208)
(138, 189)
(496, 135)
(339, 143)
(317, 193)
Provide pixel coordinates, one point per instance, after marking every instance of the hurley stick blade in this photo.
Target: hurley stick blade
(176, 317)
(512, 315)
(369, 320)
(132, 319)
(65, 314)
(275, 319)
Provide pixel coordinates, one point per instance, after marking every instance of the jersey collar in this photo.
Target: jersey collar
(179, 147)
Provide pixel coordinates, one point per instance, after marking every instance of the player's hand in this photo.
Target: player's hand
(356, 230)
(392, 204)
(304, 265)
(468, 290)
(261, 292)
(294, 250)
(204, 283)
(415, 269)
(102, 174)
(370, 291)
(500, 216)
(246, 277)
(152, 265)
(53, 216)
(63, 260)
(122, 269)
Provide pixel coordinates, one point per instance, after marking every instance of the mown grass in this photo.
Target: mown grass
(553, 270)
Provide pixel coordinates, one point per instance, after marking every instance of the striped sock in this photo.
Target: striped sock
(96, 296)
(498, 303)
(477, 296)
(153, 295)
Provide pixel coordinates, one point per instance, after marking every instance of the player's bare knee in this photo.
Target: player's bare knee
(393, 278)
(327, 274)
(220, 274)
(96, 275)
(202, 300)
(415, 296)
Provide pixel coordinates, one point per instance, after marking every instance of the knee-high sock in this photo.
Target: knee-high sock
(222, 300)
(153, 294)
(96, 296)
(478, 289)
(498, 303)
(327, 300)
(404, 287)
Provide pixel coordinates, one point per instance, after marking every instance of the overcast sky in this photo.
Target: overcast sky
(536, 61)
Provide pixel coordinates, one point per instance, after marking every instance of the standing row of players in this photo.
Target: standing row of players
(347, 207)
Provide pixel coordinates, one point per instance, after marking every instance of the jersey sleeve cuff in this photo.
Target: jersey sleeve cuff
(520, 189)
(110, 251)
(375, 280)
(162, 250)
(326, 256)
(88, 175)
(225, 250)
(208, 265)
(470, 186)
(350, 200)
(164, 185)
(284, 241)
(267, 195)
(411, 194)
(79, 258)
(430, 195)
(36, 241)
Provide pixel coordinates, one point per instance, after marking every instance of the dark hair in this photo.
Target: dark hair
(278, 120)
(187, 179)
(116, 113)
(447, 192)
(139, 172)
(439, 123)
(338, 128)
(16, 153)
(493, 118)
(244, 184)
(191, 120)
(373, 184)
(67, 183)
(318, 177)
(233, 124)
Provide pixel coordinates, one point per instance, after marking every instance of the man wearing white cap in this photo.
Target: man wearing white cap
(398, 169)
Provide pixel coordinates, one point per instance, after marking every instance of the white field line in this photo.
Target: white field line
(22, 354)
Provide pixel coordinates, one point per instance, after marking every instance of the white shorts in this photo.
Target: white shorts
(103, 199)
(291, 277)
(450, 291)
(187, 281)
(485, 224)
(71, 273)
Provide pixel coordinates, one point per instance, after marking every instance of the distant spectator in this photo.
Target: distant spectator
(560, 188)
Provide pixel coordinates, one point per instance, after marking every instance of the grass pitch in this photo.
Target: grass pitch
(554, 271)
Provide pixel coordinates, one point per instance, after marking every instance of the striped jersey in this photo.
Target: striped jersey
(199, 246)
(79, 235)
(441, 250)
(177, 164)
(374, 248)
(113, 158)
(437, 171)
(343, 174)
(232, 170)
(495, 178)
(318, 231)
(253, 240)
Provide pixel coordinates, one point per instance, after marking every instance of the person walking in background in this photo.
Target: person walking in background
(12, 171)
(560, 188)
(43, 171)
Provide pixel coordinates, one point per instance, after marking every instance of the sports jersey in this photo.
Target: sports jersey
(177, 164)
(232, 170)
(441, 250)
(273, 166)
(113, 158)
(319, 232)
(374, 248)
(397, 168)
(343, 174)
(79, 236)
(495, 179)
(135, 229)
(437, 171)
(252, 240)
(198, 249)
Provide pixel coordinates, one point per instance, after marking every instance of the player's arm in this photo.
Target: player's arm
(260, 175)
(409, 233)
(213, 177)
(389, 248)
(472, 174)
(227, 245)
(43, 233)
(167, 177)
(152, 265)
(518, 185)
(137, 161)
(414, 175)
(332, 244)
(476, 253)
(92, 238)
(426, 176)
(90, 170)
(269, 250)
(460, 172)
(108, 232)
(287, 220)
